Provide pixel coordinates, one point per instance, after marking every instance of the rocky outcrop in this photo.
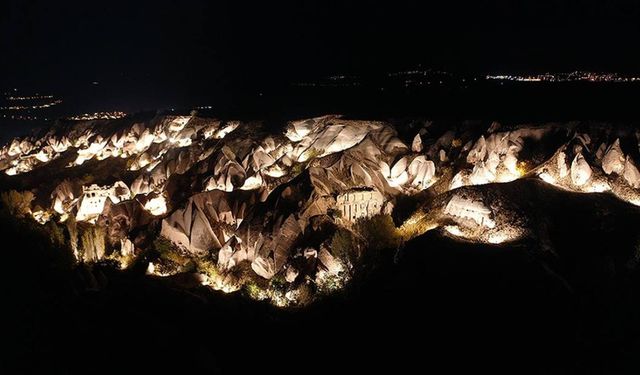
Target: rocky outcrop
(470, 209)
(580, 170)
(631, 173)
(613, 160)
(250, 200)
(207, 221)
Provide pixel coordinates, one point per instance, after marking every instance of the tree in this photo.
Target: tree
(72, 228)
(344, 245)
(93, 243)
(379, 232)
(56, 233)
(17, 203)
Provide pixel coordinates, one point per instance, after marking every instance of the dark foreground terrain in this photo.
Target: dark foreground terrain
(438, 305)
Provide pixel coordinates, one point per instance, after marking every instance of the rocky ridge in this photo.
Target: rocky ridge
(284, 213)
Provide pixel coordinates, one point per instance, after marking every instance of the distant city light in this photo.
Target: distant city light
(98, 116)
(34, 97)
(32, 106)
(575, 76)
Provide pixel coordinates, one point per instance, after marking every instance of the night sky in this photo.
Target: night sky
(162, 50)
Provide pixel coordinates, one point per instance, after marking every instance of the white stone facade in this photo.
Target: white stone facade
(356, 204)
(94, 198)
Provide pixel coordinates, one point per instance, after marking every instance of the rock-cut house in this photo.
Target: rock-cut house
(356, 204)
(93, 200)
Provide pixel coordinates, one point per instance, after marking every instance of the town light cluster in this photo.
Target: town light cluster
(98, 116)
(576, 76)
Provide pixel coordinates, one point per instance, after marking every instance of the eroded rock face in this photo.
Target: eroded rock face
(631, 173)
(122, 218)
(64, 196)
(250, 201)
(470, 209)
(613, 160)
(207, 221)
(421, 172)
(416, 145)
(483, 213)
(580, 170)
(563, 170)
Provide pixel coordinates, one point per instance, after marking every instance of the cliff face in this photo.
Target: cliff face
(286, 211)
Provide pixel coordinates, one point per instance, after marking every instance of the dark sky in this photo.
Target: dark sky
(191, 46)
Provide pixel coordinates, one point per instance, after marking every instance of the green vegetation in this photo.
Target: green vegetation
(162, 245)
(93, 243)
(36, 247)
(278, 283)
(344, 245)
(298, 168)
(330, 283)
(17, 203)
(72, 229)
(56, 233)
(207, 267)
(376, 233)
(305, 294)
(255, 291)
(313, 153)
(337, 214)
(167, 251)
(87, 179)
(379, 232)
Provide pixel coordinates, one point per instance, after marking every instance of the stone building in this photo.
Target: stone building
(356, 204)
(94, 198)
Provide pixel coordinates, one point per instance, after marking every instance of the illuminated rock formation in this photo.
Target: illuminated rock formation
(421, 172)
(264, 203)
(397, 175)
(156, 206)
(206, 223)
(416, 145)
(495, 157)
(356, 204)
(580, 170)
(563, 170)
(613, 160)
(470, 209)
(631, 173)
